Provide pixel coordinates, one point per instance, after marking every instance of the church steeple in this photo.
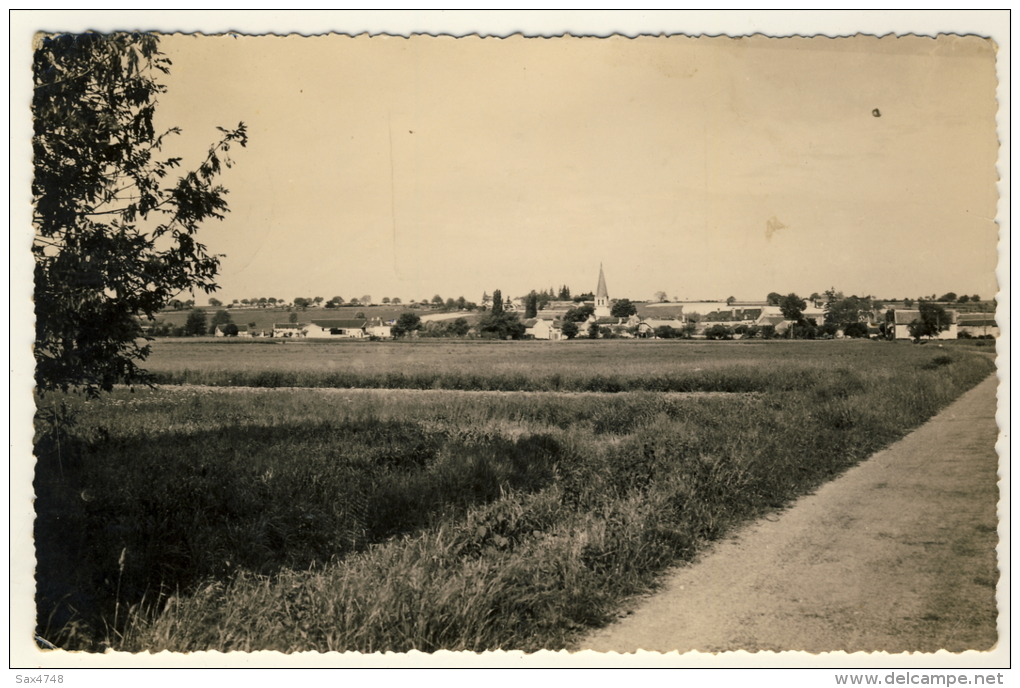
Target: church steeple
(602, 309)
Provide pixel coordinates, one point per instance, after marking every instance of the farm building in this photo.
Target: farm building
(289, 329)
(903, 317)
(769, 315)
(647, 327)
(353, 328)
(555, 310)
(544, 328)
(699, 307)
(617, 325)
(378, 328)
(977, 324)
(242, 331)
(776, 320)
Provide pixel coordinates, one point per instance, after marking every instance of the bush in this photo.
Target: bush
(805, 331)
(938, 362)
(830, 329)
(856, 330)
(719, 331)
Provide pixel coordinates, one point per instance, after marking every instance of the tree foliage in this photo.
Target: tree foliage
(933, 320)
(719, 331)
(792, 307)
(844, 311)
(221, 318)
(501, 325)
(531, 305)
(195, 325)
(114, 234)
(579, 313)
(569, 329)
(667, 332)
(856, 330)
(623, 309)
(405, 325)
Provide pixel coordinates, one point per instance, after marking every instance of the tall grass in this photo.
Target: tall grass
(193, 519)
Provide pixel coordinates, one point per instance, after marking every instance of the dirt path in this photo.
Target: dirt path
(898, 554)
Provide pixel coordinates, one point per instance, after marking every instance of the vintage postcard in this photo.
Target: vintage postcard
(666, 343)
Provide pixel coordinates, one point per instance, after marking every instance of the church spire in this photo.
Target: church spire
(602, 292)
(602, 296)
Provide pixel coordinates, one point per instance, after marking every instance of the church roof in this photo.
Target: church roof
(602, 292)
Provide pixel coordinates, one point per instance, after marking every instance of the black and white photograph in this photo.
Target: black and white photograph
(659, 343)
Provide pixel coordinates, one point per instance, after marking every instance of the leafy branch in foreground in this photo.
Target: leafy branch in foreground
(114, 237)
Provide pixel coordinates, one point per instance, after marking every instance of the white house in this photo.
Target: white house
(289, 329)
(380, 329)
(903, 317)
(353, 328)
(543, 328)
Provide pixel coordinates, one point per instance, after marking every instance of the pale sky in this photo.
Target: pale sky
(409, 167)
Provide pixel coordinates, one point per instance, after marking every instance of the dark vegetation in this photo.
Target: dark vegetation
(115, 218)
(193, 519)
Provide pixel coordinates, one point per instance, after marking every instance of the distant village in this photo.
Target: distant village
(597, 316)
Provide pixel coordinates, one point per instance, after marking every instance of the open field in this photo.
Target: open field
(417, 516)
(580, 365)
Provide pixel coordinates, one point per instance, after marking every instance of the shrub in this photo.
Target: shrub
(718, 331)
(856, 330)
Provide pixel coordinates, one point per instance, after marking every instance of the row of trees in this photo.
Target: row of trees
(951, 297)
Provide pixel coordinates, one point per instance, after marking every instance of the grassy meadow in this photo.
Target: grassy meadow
(437, 495)
(576, 366)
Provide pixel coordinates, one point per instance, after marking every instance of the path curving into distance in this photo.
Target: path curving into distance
(897, 554)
